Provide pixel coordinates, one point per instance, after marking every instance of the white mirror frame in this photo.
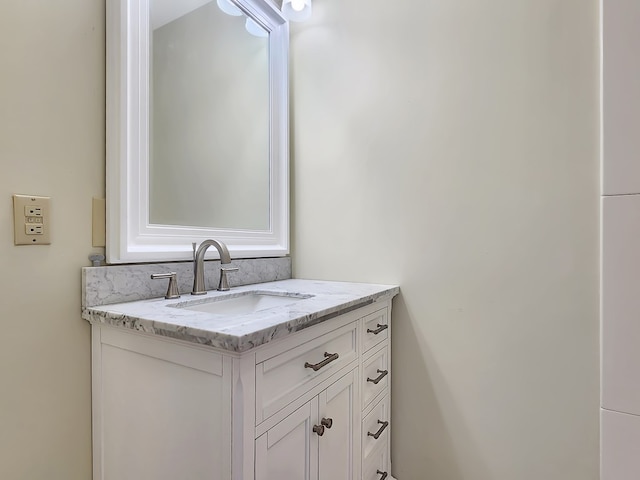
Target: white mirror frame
(130, 237)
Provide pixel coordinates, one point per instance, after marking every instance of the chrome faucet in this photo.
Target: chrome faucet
(198, 266)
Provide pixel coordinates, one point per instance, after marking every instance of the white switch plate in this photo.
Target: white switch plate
(31, 225)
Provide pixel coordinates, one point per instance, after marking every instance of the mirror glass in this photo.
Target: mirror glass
(197, 128)
(209, 118)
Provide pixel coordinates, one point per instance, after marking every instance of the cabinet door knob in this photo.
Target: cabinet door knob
(330, 357)
(327, 422)
(375, 381)
(378, 330)
(319, 429)
(380, 430)
(384, 474)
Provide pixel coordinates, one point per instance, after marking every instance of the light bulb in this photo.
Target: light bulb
(296, 10)
(297, 5)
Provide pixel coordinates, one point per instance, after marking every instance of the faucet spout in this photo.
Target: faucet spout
(198, 263)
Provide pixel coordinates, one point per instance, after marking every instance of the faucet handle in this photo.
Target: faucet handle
(172, 289)
(223, 285)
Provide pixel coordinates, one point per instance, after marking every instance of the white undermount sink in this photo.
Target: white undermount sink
(243, 303)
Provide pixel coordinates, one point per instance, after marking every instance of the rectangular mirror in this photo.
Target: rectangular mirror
(197, 128)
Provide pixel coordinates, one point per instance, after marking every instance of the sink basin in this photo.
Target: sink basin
(242, 304)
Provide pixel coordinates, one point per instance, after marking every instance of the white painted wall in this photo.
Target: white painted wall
(51, 143)
(452, 147)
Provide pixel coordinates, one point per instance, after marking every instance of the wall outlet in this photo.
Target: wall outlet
(31, 224)
(33, 229)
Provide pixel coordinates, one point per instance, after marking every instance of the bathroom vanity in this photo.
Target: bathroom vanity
(274, 380)
(279, 380)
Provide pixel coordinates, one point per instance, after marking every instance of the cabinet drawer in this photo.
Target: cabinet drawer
(376, 329)
(375, 375)
(284, 377)
(376, 467)
(375, 428)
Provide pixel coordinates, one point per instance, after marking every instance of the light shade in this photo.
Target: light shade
(254, 29)
(229, 8)
(296, 10)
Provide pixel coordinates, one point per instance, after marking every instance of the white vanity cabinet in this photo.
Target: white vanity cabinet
(313, 405)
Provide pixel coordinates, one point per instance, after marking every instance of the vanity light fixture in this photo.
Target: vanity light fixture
(296, 10)
(229, 8)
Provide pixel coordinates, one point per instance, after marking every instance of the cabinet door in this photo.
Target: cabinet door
(162, 410)
(339, 446)
(289, 450)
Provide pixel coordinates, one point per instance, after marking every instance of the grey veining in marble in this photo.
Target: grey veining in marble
(126, 283)
(241, 332)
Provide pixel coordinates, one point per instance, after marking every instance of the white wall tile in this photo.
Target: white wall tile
(621, 90)
(621, 304)
(620, 434)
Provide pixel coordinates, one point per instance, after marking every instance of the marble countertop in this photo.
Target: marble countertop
(241, 332)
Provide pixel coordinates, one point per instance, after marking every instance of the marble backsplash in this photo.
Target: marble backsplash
(126, 283)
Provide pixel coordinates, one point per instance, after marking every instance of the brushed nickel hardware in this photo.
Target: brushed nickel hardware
(223, 284)
(378, 330)
(198, 265)
(319, 429)
(375, 381)
(330, 357)
(380, 430)
(384, 474)
(172, 289)
(327, 422)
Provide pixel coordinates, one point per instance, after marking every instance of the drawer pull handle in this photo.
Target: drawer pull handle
(319, 429)
(379, 432)
(378, 330)
(384, 474)
(375, 381)
(327, 422)
(330, 357)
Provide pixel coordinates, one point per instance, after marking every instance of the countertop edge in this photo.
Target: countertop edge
(232, 342)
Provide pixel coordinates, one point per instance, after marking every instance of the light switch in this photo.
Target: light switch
(31, 224)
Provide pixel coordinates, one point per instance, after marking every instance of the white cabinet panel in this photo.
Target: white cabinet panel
(375, 375)
(375, 330)
(289, 450)
(317, 441)
(620, 435)
(286, 376)
(621, 304)
(338, 445)
(377, 465)
(375, 428)
(621, 97)
(151, 409)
